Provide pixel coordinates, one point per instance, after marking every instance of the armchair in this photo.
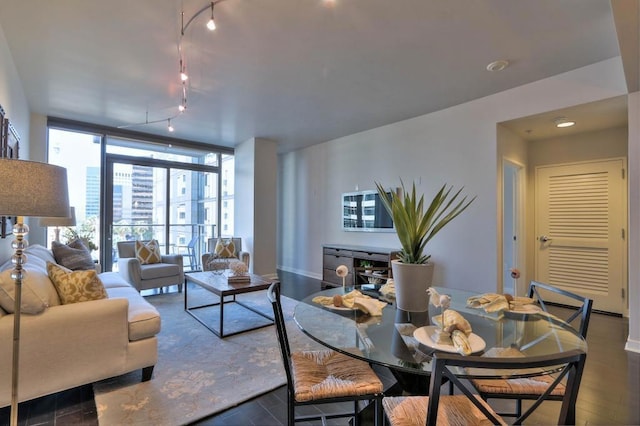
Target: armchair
(168, 272)
(210, 256)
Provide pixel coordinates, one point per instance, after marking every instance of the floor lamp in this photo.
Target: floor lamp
(59, 222)
(28, 188)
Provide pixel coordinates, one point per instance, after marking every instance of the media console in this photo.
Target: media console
(366, 265)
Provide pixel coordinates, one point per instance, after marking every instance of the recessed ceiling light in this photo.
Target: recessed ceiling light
(498, 65)
(563, 122)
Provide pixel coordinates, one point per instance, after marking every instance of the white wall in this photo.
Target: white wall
(633, 341)
(457, 146)
(255, 201)
(14, 103)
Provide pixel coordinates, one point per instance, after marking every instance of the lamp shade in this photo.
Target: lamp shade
(29, 188)
(59, 221)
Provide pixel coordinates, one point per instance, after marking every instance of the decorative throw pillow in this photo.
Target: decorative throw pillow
(73, 255)
(148, 252)
(33, 297)
(226, 249)
(76, 286)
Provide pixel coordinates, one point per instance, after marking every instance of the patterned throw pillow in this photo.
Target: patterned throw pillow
(149, 252)
(226, 249)
(76, 286)
(73, 255)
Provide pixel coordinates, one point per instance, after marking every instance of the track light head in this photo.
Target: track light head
(169, 126)
(211, 24)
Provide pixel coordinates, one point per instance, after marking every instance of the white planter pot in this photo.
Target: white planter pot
(411, 284)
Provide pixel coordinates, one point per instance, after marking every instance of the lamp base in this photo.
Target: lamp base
(20, 230)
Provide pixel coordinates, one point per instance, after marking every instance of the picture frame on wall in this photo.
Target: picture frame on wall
(9, 148)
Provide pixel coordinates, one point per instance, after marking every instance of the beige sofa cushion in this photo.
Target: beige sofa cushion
(112, 280)
(38, 293)
(144, 319)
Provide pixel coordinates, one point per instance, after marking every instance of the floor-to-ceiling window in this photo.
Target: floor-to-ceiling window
(128, 187)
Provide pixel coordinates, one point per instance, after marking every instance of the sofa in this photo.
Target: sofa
(69, 345)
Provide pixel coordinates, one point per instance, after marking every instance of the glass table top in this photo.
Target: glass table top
(391, 339)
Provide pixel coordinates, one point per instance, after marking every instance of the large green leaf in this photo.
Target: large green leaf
(415, 226)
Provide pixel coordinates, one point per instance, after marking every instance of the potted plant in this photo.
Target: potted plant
(367, 265)
(415, 227)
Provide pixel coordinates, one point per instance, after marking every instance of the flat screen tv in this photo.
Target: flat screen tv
(364, 211)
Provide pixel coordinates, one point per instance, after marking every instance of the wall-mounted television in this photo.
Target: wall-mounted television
(364, 211)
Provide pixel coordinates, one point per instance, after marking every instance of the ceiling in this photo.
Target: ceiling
(299, 72)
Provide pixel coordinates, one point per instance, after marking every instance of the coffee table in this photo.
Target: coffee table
(218, 285)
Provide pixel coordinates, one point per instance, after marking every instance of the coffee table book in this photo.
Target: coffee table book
(233, 279)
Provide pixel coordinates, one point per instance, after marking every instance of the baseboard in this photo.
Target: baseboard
(632, 345)
(301, 272)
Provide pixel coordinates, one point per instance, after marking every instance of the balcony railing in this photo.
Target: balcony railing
(186, 239)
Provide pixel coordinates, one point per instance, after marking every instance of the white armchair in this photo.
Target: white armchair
(170, 271)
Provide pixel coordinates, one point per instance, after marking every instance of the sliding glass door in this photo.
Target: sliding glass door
(169, 199)
(127, 185)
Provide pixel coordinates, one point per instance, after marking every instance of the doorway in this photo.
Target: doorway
(580, 226)
(512, 227)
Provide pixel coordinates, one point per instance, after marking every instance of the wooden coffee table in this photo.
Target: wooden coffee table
(218, 285)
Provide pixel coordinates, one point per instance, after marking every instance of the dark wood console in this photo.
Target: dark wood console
(367, 265)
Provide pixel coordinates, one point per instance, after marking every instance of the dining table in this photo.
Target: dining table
(401, 340)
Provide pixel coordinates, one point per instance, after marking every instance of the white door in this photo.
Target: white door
(580, 229)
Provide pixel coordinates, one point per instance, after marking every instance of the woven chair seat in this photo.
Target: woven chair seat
(330, 374)
(452, 410)
(525, 386)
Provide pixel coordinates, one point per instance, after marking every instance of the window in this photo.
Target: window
(152, 189)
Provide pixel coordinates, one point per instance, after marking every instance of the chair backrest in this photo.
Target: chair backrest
(538, 291)
(442, 364)
(126, 249)
(191, 252)
(273, 294)
(211, 243)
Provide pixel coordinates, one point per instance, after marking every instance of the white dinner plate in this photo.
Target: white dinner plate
(338, 308)
(423, 335)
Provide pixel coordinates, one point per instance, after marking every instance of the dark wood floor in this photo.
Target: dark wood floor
(609, 393)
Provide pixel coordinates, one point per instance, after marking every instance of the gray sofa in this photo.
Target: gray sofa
(78, 343)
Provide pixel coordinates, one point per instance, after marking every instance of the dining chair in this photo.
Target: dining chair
(519, 390)
(323, 376)
(466, 406)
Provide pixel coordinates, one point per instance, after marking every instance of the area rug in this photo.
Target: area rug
(199, 374)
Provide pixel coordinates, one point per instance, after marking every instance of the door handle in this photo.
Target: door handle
(544, 239)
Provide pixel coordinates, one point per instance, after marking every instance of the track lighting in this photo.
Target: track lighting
(211, 24)
(183, 74)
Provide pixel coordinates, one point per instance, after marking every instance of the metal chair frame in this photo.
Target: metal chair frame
(572, 360)
(273, 294)
(583, 312)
